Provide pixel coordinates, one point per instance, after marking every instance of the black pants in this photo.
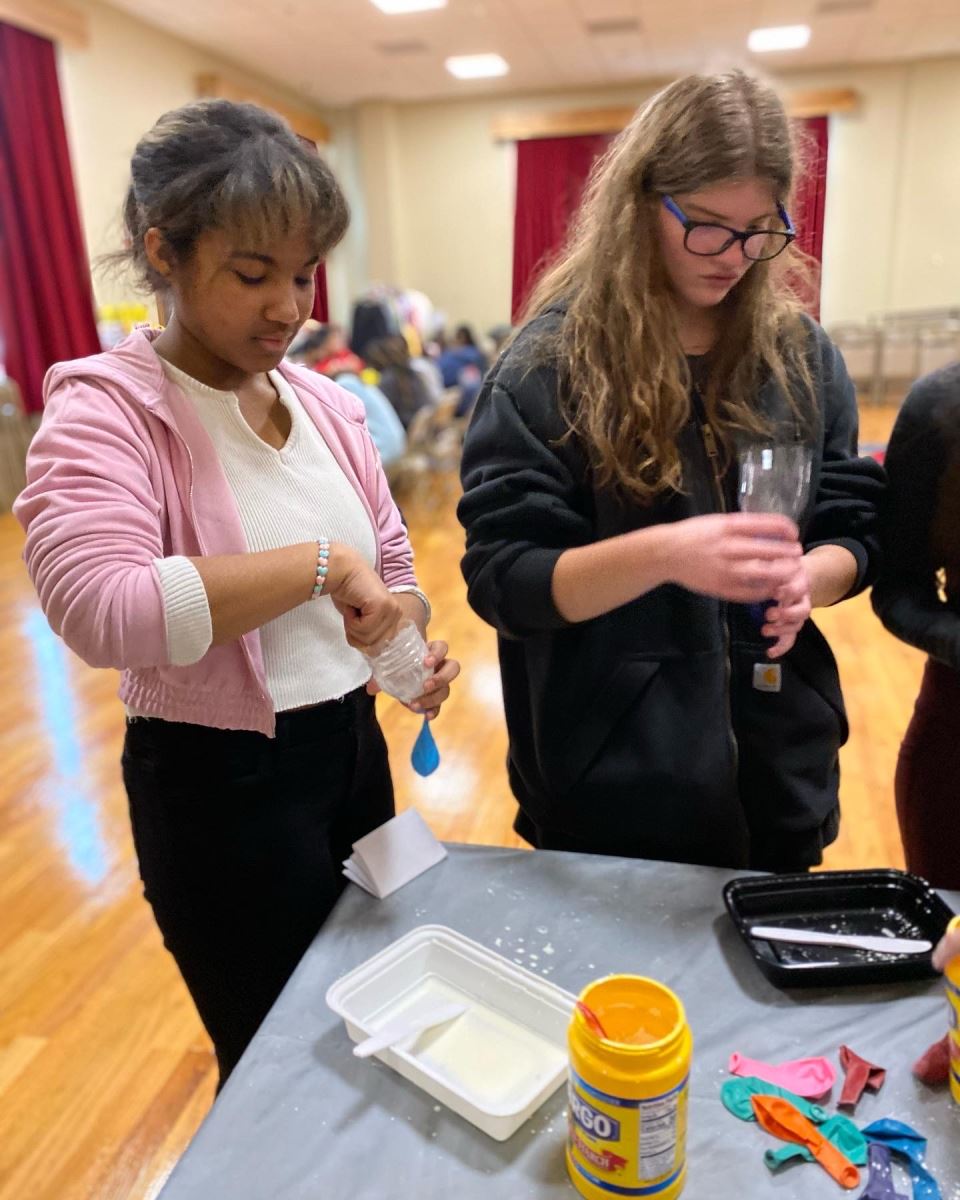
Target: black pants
(240, 840)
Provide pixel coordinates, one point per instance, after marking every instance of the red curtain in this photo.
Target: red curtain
(810, 198)
(812, 187)
(321, 305)
(551, 173)
(46, 303)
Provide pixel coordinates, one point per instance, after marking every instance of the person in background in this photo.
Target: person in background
(214, 523)
(399, 381)
(313, 349)
(330, 354)
(430, 376)
(918, 599)
(462, 365)
(385, 427)
(650, 713)
(461, 355)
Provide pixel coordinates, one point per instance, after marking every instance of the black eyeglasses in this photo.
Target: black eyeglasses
(708, 239)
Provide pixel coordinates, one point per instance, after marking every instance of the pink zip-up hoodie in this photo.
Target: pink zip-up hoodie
(122, 472)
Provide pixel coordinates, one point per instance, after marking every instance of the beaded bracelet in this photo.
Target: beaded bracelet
(323, 565)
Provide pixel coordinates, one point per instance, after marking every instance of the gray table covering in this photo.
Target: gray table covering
(302, 1118)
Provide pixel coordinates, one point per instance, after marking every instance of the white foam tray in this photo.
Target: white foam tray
(494, 1065)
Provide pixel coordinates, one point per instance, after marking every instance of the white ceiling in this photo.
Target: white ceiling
(337, 52)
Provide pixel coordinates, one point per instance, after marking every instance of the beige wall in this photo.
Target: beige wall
(454, 199)
(432, 194)
(894, 180)
(925, 259)
(113, 91)
(893, 191)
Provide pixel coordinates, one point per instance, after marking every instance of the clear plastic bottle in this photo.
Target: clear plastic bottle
(398, 666)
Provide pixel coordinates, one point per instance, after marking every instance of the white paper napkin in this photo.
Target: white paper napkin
(392, 855)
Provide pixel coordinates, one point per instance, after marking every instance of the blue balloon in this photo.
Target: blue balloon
(425, 757)
(910, 1145)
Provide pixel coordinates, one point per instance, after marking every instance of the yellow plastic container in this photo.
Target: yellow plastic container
(628, 1091)
(952, 976)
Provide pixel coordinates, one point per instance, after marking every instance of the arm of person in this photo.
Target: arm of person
(842, 537)
(95, 553)
(741, 557)
(832, 571)
(245, 591)
(846, 507)
(92, 523)
(531, 564)
(524, 504)
(905, 597)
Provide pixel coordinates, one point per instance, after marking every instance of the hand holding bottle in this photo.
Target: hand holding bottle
(371, 613)
(739, 557)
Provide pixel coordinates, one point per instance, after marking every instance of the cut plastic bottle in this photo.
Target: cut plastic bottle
(399, 670)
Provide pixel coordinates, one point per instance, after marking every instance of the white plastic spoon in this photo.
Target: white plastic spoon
(396, 1031)
(817, 937)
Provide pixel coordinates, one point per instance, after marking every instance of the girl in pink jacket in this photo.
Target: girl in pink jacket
(215, 523)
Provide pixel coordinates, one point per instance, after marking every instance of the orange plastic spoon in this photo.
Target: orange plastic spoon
(591, 1019)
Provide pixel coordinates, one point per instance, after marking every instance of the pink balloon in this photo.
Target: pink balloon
(807, 1077)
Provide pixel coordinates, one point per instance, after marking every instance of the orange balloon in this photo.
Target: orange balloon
(785, 1121)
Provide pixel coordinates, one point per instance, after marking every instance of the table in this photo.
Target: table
(302, 1119)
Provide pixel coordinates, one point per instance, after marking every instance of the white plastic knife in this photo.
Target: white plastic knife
(818, 937)
(396, 1031)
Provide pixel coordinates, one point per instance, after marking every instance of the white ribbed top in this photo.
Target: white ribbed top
(294, 494)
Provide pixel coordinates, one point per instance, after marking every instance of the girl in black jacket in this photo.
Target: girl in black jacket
(649, 713)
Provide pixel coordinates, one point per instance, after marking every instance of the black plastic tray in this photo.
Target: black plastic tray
(874, 903)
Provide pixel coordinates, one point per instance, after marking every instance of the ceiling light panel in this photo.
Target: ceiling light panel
(476, 66)
(778, 37)
(408, 6)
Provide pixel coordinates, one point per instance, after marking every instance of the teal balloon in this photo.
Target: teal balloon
(839, 1130)
(735, 1095)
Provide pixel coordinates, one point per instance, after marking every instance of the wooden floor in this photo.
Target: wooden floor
(105, 1071)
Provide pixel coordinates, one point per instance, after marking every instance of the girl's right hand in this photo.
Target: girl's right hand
(741, 557)
(371, 614)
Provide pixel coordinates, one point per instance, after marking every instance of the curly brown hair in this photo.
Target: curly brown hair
(626, 380)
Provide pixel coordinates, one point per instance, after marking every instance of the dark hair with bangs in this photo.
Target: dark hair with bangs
(213, 164)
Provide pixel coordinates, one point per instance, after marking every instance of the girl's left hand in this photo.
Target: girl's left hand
(437, 687)
(789, 611)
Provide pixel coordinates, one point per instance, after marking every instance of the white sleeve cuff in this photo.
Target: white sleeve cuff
(186, 610)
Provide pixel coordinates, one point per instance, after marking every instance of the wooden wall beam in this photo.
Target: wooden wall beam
(822, 102)
(518, 127)
(50, 19)
(301, 120)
